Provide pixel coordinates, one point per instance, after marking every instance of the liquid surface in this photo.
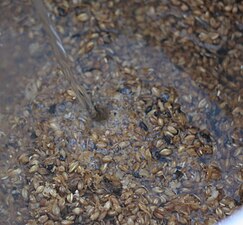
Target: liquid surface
(170, 150)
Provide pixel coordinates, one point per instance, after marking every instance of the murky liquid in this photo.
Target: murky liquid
(39, 117)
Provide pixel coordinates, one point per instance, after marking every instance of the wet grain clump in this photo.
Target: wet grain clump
(165, 144)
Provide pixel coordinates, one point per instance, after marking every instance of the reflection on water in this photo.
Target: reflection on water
(35, 99)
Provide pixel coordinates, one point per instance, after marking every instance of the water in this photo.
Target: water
(63, 59)
(49, 122)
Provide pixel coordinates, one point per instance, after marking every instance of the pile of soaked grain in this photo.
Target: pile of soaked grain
(170, 151)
